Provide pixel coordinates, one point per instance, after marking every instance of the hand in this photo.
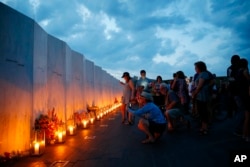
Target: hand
(146, 116)
(129, 105)
(194, 94)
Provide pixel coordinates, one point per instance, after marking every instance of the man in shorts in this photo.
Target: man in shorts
(152, 120)
(173, 108)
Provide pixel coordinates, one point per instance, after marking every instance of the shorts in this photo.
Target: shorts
(174, 113)
(156, 127)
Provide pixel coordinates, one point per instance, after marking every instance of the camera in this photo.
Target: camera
(130, 105)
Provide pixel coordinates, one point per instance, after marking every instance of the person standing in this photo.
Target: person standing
(243, 84)
(181, 87)
(202, 95)
(156, 86)
(195, 113)
(128, 95)
(233, 97)
(143, 81)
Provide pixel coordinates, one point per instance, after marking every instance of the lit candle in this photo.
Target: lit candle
(60, 136)
(85, 124)
(71, 130)
(92, 120)
(36, 148)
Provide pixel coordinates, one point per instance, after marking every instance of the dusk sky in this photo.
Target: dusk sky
(160, 36)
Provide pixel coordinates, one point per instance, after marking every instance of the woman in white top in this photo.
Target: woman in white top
(128, 95)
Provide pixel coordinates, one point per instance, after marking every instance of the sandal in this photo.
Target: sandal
(157, 136)
(148, 141)
(124, 121)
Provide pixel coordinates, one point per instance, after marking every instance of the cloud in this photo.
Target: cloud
(199, 38)
(159, 36)
(83, 12)
(6, 1)
(44, 23)
(171, 60)
(110, 25)
(130, 38)
(35, 4)
(133, 58)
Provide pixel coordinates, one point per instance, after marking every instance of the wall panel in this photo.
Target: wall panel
(16, 77)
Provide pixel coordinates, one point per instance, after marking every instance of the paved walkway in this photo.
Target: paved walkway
(108, 143)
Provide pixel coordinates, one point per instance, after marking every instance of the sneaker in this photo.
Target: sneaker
(148, 141)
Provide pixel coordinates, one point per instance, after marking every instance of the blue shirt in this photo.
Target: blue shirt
(153, 113)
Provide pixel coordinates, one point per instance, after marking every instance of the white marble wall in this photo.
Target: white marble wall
(106, 82)
(56, 63)
(40, 92)
(77, 81)
(39, 72)
(16, 79)
(69, 87)
(98, 96)
(89, 83)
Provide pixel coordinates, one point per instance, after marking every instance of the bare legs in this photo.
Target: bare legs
(126, 115)
(124, 112)
(170, 122)
(130, 117)
(144, 126)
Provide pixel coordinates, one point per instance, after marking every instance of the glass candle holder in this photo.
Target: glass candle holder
(85, 123)
(71, 130)
(37, 145)
(60, 134)
(92, 119)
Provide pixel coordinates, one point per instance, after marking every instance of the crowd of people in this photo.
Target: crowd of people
(161, 105)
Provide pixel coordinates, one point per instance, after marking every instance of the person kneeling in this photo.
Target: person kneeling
(152, 121)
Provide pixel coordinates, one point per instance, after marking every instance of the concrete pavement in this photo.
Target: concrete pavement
(108, 143)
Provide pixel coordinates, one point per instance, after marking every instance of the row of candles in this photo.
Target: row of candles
(99, 114)
(38, 143)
